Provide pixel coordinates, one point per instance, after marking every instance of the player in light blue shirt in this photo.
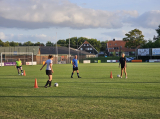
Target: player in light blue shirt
(75, 66)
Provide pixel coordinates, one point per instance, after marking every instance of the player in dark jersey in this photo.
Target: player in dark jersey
(122, 61)
(75, 67)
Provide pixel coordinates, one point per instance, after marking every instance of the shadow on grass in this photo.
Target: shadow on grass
(112, 97)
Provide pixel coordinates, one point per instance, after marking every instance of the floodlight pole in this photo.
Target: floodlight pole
(69, 48)
(56, 48)
(32, 59)
(1, 59)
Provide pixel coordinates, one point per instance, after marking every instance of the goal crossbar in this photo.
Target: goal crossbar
(16, 53)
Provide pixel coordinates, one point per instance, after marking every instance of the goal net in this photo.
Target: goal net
(9, 58)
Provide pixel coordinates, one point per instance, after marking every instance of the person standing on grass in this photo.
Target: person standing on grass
(49, 70)
(75, 67)
(19, 66)
(122, 61)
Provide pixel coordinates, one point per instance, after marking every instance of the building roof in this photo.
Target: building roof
(33, 49)
(61, 50)
(86, 42)
(118, 43)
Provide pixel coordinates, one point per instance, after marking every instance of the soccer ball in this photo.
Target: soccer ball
(118, 75)
(22, 74)
(56, 84)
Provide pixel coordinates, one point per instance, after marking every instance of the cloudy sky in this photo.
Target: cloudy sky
(40, 20)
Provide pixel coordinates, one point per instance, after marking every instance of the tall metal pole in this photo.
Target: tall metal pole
(69, 48)
(1, 59)
(32, 59)
(56, 48)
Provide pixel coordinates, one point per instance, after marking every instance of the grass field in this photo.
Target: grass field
(95, 96)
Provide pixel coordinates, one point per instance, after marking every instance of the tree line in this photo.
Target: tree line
(75, 42)
(134, 38)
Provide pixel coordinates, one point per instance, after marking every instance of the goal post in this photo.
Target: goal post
(13, 56)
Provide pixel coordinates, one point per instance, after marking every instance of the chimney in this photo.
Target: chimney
(113, 39)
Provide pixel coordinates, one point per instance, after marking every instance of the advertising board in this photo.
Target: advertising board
(143, 52)
(155, 51)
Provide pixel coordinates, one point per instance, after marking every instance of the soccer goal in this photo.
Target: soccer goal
(9, 58)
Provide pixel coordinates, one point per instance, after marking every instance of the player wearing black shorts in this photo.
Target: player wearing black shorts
(19, 66)
(122, 62)
(75, 67)
(49, 70)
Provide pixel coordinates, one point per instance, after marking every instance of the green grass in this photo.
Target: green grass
(95, 96)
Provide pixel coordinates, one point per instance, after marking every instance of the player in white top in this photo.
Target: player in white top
(49, 70)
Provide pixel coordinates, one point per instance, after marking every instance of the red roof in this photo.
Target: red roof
(119, 43)
(85, 42)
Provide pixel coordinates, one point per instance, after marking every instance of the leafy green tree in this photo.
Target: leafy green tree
(73, 42)
(96, 44)
(14, 43)
(28, 43)
(103, 45)
(134, 38)
(37, 44)
(1, 42)
(158, 32)
(49, 43)
(157, 43)
(61, 42)
(6, 44)
(20, 44)
(149, 44)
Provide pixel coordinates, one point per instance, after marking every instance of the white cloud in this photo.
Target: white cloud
(149, 19)
(2, 35)
(32, 14)
(115, 34)
(24, 38)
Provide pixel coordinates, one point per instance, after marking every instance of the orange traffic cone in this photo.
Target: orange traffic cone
(35, 84)
(111, 75)
(24, 73)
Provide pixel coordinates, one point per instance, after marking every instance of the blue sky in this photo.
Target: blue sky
(39, 21)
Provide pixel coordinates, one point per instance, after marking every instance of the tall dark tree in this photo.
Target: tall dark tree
(158, 32)
(134, 38)
(103, 45)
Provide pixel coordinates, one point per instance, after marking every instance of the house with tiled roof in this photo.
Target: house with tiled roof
(118, 46)
(87, 47)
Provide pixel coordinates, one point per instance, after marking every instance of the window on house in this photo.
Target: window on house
(115, 47)
(84, 44)
(90, 48)
(87, 44)
(115, 44)
(81, 48)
